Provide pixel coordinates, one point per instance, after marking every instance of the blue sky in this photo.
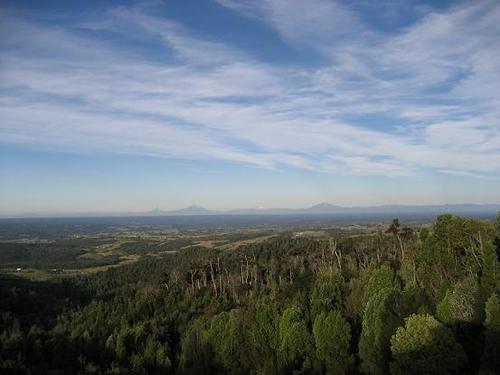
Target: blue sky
(126, 106)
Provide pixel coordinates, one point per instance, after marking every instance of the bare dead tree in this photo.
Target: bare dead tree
(394, 229)
(192, 272)
(204, 278)
(337, 252)
(378, 247)
(255, 271)
(212, 276)
(247, 271)
(220, 275)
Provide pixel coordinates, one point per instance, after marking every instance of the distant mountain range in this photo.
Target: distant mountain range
(318, 209)
(191, 210)
(330, 209)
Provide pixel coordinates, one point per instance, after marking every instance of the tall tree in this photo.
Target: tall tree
(263, 337)
(395, 230)
(226, 335)
(425, 346)
(294, 342)
(462, 303)
(490, 278)
(382, 277)
(196, 354)
(332, 335)
(326, 294)
(381, 318)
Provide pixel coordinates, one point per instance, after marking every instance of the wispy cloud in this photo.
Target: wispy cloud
(316, 23)
(378, 104)
(464, 174)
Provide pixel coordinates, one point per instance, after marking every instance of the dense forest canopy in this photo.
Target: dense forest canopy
(407, 300)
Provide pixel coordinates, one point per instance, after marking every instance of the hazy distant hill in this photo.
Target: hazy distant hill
(324, 209)
(330, 209)
(191, 210)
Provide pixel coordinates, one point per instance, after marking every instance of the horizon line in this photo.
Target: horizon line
(215, 212)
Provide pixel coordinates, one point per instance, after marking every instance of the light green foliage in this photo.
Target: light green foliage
(383, 277)
(326, 295)
(332, 335)
(454, 233)
(490, 360)
(451, 252)
(434, 267)
(381, 317)
(408, 267)
(294, 341)
(380, 320)
(462, 303)
(425, 346)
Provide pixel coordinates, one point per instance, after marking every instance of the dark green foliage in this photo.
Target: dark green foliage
(263, 337)
(196, 354)
(326, 295)
(226, 336)
(278, 307)
(425, 346)
(490, 361)
(354, 296)
(462, 309)
(452, 251)
(381, 318)
(295, 344)
(49, 256)
(413, 299)
(332, 336)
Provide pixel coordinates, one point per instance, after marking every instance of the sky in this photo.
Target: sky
(126, 106)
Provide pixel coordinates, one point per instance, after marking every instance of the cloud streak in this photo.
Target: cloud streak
(377, 104)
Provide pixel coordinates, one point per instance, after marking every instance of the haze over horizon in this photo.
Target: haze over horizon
(125, 106)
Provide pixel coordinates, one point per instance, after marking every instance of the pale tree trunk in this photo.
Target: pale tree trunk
(336, 252)
(401, 246)
(255, 271)
(192, 279)
(247, 271)
(212, 276)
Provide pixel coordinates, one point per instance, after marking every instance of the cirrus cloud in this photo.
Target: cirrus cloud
(379, 103)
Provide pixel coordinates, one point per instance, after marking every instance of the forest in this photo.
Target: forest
(402, 300)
